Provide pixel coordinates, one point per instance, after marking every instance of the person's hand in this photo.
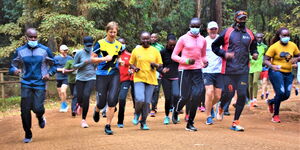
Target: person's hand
(294, 65)
(190, 61)
(121, 62)
(46, 77)
(255, 56)
(130, 71)
(87, 61)
(136, 69)
(229, 55)
(294, 60)
(205, 63)
(17, 72)
(153, 65)
(63, 70)
(165, 70)
(276, 67)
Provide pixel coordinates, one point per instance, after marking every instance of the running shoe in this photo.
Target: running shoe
(63, 107)
(276, 119)
(209, 120)
(166, 120)
(190, 127)
(135, 119)
(27, 140)
(262, 96)
(171, 109)
(254, 103)
(174, 116)
(96, 116)
(42, 122)
(202, 109)
(212, 113)
(84, 124)
(296, 91)
(108, 130)
(152, 113)
(270, 106)
(104, 114)
(236, 127)
(73, 113)
(220, 114)
(120, 125)
(267, 95)
(226, 113)
(234, 105)
(144, 126)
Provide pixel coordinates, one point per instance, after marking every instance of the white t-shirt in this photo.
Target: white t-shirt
(298, 63)
(214, 61)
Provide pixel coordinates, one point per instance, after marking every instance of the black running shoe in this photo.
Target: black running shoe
(104, 114)
(96, 116)
(190, 127)
(108, 130)
(174, 116)
(42, 122)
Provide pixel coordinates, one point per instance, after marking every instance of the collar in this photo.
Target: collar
(192, 35)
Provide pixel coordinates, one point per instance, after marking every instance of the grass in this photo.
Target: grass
(10, 103)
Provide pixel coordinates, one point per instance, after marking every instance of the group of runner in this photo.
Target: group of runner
(190, 69)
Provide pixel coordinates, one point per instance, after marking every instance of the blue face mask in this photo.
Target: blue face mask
(33, 44)
(285, 40)
(88, 49)
(195, 31)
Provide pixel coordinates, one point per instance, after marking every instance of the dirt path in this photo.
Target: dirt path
(64, 132)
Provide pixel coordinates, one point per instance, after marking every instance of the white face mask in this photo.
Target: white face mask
(195, 31)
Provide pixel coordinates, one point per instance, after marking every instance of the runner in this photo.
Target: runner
(170, 79)
(264, 76)
(85, 78)
(32, 61)
(154, 101)
(144, 60)
(255, 69)
(61, 78)
(126, 79)
(192, 47)
(69, 69)
(212, 73)
(236, 41)
(106, 54)
(280, 57)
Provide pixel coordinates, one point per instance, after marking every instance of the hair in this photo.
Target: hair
(143, 32)
(171, 36)
(195, 19)
(277, 35)
(111, 25)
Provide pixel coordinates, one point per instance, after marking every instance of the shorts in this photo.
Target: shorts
(59, 83)
(264, 75)
(215, 79)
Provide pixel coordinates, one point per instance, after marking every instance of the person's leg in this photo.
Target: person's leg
(209, 96)
(88, 88)
(264, 76)
(74, 99)
(167, 88)
(227, 94)
(242, 86)
(112, 99)
(122, 101)
(26, 106)
(80, 91)
(146, 108)
(101, 95)
(155, 98)
(132, 92)
(251, 86)
(63, 91)
(139, 92)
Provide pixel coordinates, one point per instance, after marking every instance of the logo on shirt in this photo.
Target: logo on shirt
(246, 37)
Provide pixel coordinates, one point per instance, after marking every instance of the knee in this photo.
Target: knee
(39, 109)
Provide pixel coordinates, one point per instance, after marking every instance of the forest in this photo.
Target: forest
(68, 21)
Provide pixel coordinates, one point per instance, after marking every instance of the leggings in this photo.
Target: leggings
(122, 100)
(253, 85)
(190, 89)
(282, 84)
(155, 96)
(74, 94)
(107, 90)
(84, 90)
(171, 91)
(231, 83)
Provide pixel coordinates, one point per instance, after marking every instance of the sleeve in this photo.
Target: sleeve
(15, 63)
(68, 65)
(158, 58)
(97, 48)
(217, 44)
(52, 68)
(270, 52)
(178, 48)
(132, 58)
(296, 52)
(77, 63)
(203, 51)
(253, 46)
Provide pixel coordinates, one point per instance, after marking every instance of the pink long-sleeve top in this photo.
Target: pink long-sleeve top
(191, 47)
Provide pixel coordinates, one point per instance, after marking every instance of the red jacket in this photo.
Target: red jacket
(124, 74)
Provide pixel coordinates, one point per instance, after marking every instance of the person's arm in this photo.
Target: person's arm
(68, 68)
(77, 63)
(94, 57)
(203, 55)
(16, 62)
(52, 68)
(253, 49)
(175, 55)
(216, 45)
(132, 61)
(267, 59)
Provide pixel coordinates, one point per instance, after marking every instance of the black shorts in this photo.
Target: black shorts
(59, 83)
(215, 79)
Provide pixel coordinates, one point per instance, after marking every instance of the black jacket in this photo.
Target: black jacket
(169, 63)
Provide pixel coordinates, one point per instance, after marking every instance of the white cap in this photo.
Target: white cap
(63, 47)
(212, 24)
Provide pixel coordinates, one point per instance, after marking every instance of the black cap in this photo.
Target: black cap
(88, 41)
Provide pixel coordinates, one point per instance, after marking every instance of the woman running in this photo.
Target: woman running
(280, 57)
(106, 55)
(144, 60)
(85, 78)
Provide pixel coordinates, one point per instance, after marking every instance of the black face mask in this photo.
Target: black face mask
(241, 24)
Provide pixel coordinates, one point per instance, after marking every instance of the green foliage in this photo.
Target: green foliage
(9, 103)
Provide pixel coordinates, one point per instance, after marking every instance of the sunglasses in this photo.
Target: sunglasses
(213, 29)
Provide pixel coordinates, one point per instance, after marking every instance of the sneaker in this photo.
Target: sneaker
(108, 130)
(84, 124)
(135, 119)
(186, 118)
(152, 113)
(270, 106)
(254, 103)
(171, 110)
(104, 114)
(226, 113)
(190, 127)
(296, 91)
(174, 116)
(262, 96)
(144, 126)
(236, 127)
(42, 122)
(96, 116)
(212, 113)
(209, 120)
(64, 107)
(234, 105)
(73, 114)
(267, 95)
(120, 125)
(276, 119)
(202, 109)
(220, 114)
(27, 140)
(166, 120)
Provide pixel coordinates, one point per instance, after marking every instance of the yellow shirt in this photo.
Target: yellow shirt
(282, 54)
(142, 57)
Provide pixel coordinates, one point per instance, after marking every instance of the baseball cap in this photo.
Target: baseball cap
(88, 41)
(63, 47)
(240, 14)
(212, 24)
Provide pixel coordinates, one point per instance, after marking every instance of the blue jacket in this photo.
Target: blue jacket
(35, 63)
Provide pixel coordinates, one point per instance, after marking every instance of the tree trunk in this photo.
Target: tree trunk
(198, 8)
(219, 13)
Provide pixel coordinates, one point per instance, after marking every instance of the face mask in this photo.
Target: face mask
(88, 49)
(241, 24)
(33, 44)
(195, 31)
(285, 40)
(123, 47)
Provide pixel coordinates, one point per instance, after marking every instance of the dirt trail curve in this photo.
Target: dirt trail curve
(64, 132)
